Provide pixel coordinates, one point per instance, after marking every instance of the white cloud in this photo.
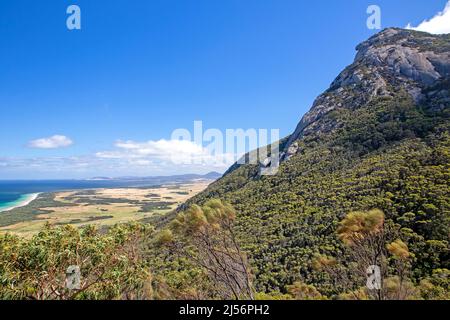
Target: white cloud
(127, 158)
(143, 163)
(90, 166)
(162, 148)
(439, 24)
(54, 142)
(168, 153)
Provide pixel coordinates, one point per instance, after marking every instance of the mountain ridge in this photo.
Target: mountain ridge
(391, 46)
(210, 175)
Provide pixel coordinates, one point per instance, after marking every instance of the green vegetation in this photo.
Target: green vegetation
(198, 257)
(389, 155)
(374, 191)
(105, 207)
(205, 237)
(111, 264)
(369, 186)
(31, 211)
(159, 205)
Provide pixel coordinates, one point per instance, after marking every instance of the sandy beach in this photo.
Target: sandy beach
(22, 202)
(101, 207)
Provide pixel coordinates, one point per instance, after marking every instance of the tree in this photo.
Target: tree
(363, 233)
(367, 239)
(302, 291)
(205, 235)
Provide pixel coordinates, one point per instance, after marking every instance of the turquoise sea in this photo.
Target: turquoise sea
(9, 201)
(14, 193)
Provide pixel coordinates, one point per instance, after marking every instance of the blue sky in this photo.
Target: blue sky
(140, 69)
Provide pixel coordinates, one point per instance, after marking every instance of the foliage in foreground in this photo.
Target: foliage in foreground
(198, 256)
(111, 264)
(205, 236)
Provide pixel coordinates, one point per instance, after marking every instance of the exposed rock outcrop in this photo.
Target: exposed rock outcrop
(392, 60)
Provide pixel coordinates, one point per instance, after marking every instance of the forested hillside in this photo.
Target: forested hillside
(377, 139)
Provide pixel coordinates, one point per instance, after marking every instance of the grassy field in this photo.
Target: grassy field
(103, 207)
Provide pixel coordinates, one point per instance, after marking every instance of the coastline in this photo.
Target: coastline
(22, 202)
(103, 207)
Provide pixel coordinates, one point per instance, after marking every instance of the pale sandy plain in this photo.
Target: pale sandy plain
(85, 212)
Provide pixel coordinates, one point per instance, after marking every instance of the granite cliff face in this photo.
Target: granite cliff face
(393, 60)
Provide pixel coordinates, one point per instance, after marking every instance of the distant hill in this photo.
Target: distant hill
(377, 138)
(164, 179)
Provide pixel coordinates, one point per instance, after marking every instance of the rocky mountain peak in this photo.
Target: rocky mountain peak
(391, 61)
(405, 53)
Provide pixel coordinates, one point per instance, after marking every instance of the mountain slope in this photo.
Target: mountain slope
(377, 138)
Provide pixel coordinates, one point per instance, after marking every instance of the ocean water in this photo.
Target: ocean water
(11, 200)
(15, 192)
